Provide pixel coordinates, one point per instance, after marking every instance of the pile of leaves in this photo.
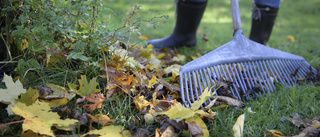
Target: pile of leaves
(148, 77)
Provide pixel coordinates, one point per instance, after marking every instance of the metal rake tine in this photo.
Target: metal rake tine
(243, 86)
(232, 80)
(186, 90)
(241, 77)
(190, 86)
(280, 71)
(262, 77)
(208, 83)
(246, 74)
(195, 85)
(291, 69)
(213, 78)
(284, 73)
(204, 84)
(267, 75)
(224, 74)
(288, 71)
(216, 72)
(276, 74)
(258, 78)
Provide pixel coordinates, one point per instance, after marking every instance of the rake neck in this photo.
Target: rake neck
(235, 15)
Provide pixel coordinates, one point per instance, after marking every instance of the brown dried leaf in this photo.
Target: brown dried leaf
(142, 133)
(296, 120)
(194, 128)
(229, 101)
(97, 99)
(100, 119)
(169, 132)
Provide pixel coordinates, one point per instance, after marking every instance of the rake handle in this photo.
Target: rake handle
(235, 15)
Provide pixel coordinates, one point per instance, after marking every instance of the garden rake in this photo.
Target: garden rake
(246, 65)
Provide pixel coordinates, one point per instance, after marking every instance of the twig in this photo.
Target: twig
(5, 42)
(14, 122)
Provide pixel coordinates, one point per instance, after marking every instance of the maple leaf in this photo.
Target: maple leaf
(11, 93)
(110, 131)
(39, 118)
(118, 79)
(97, 99)
(85, 88)
(29, 97)
(117, 63)
(100, 119)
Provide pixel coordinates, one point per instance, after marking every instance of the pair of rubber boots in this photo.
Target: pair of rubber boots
(189, 15)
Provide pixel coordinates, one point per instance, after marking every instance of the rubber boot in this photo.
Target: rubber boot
(188, 18)
(263, 18)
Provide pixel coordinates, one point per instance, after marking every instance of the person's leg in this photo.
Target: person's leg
(189, 14)
(264, 13)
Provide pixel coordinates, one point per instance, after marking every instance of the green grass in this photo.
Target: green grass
(296, 18)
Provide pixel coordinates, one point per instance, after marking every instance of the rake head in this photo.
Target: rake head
(240, 68)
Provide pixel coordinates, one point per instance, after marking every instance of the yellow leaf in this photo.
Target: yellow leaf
(110, 131)
(140, 102)
(178, 112)
(203, 98)
(197, 127)
(160, 56)
(152, 81)
(154, 61)
(85, 88)
(174, 69)
(55, 102)
(29, 97)
(238, 126)
(292, 38)
(275, 133)
(11, 93)
(39, 118)
(144, 37)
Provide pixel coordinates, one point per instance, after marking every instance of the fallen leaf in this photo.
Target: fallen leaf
(169, 132)
(55, 102)
(110, 131)
(97, 99)
(39, 118)
(29, 97)
(296, 120)
(275, 133)
(203, 98)
(157, 133)
(199, 124)
(81, 117)
(11, 93)
(309, 132)
(152, 81)
(238, 126)
(205, 37)
(229, 101)
(194, 128)
(292, 38)
(175, 68)
(140, 102)
(142, 133)
(30, 133)
(85, 88)
(100, 119)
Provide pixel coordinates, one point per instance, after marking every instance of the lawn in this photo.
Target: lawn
(296, 31)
